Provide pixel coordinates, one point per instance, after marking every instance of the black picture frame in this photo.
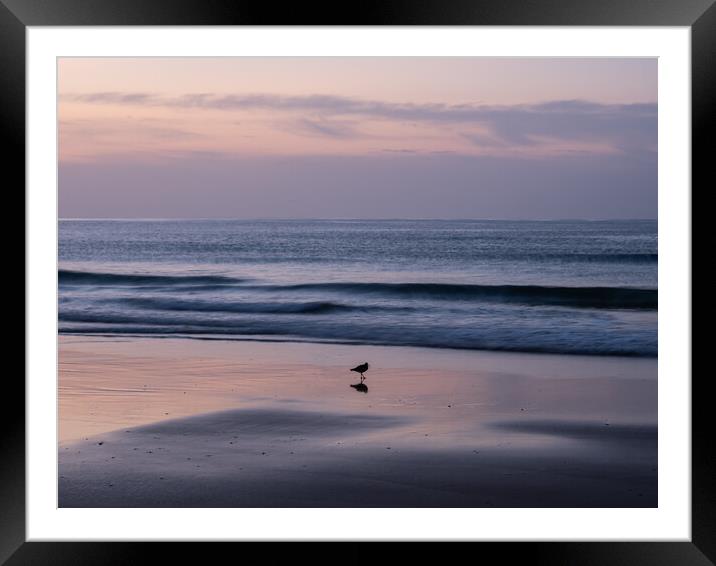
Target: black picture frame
(17, 15)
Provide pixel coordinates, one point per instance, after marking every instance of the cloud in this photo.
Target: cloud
(326, 128)
(624, 127)
(118, 98)
(148, 129)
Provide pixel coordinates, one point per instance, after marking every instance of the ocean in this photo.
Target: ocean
(567, 287)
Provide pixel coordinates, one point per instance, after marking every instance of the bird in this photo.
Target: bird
(361, 369)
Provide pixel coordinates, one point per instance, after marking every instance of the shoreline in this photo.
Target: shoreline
(295, 340)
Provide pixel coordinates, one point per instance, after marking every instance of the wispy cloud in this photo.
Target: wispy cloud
(399, 150)
(622, 126)
(147, 129)
(326, 128)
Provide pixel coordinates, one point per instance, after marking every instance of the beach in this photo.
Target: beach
(235, 234)
(186, 422)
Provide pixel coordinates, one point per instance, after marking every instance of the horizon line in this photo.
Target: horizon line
(386, 219)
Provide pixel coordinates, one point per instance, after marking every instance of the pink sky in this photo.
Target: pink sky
(129, 114)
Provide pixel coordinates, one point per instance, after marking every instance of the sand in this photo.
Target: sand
(187, 423)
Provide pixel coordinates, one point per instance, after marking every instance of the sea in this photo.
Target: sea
(561, 287)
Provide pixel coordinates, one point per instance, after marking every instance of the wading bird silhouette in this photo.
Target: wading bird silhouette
(361, 369)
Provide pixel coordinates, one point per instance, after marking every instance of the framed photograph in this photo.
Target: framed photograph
(419, 275)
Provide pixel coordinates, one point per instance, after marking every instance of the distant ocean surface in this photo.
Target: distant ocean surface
(571, 287)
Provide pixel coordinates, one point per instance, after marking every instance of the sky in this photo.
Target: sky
(357, 137)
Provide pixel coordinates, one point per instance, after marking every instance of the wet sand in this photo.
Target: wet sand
(187, 423)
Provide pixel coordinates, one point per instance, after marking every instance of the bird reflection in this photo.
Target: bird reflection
(362, 387)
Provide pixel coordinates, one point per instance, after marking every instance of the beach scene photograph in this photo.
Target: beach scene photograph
(357, 282)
